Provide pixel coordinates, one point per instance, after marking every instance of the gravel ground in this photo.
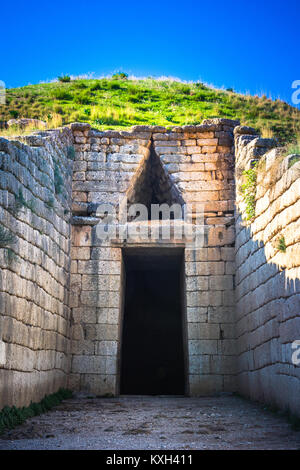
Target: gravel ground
(131, 422)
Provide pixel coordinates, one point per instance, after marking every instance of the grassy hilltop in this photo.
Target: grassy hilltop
(118, 102)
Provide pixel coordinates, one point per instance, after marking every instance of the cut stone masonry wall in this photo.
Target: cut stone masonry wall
(34, 268)
(196, 165)
(62, 287)
(268, 279)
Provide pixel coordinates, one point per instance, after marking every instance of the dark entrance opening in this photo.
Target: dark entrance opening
(152, 353)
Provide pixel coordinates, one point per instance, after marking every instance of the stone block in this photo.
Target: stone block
(81, 236)
(224, 282)
(106, 299)
(101, 282)
(204, 346)
(196, 314)
(105, 332)
(106, 348)
(2, 353)
(203, 331)
(205, 385)
(204, 268)
(207, 142)
(102, 365)
(108, 315)
(98, 384)
(195, 283)
(203, 298)
(99, 267)
(84, 314)
(82, 253)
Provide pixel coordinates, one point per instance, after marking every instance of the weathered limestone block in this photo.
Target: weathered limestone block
(199, 364)
(207, 142)
(199, 347)
(99, 267)
(196, 314)
(100, 299)
(106, 348)
(196, 283)
(177, 150)
(108, 315)
(213, 185)
(227, 254)
(228, 347)
(101, 282)
(202, 196)
(99, 384)
(82, 253)
(203, 254)
(203, 331)
(203, 298)
(221, 236)
(221, 314)
(204, 268)
(94, 365)
(224, 282)
(106, 332)
(202, 385)
(19, 358)
(106, 254)
(84, 314)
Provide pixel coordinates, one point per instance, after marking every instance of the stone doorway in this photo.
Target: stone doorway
(153, 330)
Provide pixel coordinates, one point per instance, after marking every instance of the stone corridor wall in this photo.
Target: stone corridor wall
(267, 278)
(35, 195)
(198, 164)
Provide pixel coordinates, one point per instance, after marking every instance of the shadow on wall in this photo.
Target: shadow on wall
(268, 323)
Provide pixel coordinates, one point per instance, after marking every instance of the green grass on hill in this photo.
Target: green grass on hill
(114, 103)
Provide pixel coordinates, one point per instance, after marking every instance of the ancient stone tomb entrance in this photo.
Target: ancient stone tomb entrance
(153, 330)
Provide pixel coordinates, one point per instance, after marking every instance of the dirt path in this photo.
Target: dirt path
(154, 423)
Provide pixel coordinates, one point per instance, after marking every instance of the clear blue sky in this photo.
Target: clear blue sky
(248, 45)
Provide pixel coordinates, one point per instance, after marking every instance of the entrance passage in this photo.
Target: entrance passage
(152, 357)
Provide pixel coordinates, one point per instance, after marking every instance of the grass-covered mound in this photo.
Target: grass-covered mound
(118, 102)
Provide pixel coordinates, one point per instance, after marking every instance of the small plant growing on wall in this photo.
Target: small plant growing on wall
(58, 181)
(281, 244)
(294, 147)
(6, 240)
(50, 203)
(71, 152)
(6, 237)
(20, 202)
(294, 159)
(248, 190)
(10, 256)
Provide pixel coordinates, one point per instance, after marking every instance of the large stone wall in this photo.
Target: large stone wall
(192, 164)
(34, 267)
(267, 278)
(62, 286)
